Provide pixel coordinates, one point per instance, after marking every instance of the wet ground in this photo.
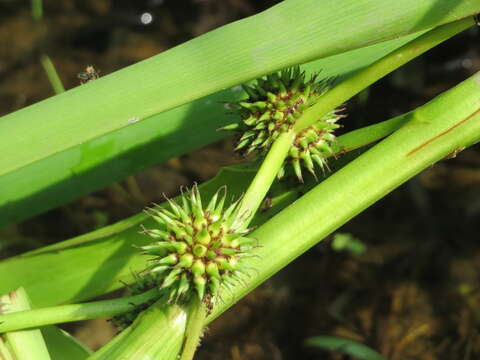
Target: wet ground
(413, 294)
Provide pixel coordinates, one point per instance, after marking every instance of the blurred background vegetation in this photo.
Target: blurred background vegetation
(410, 292)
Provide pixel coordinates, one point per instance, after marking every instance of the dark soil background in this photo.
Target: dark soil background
(413, 294)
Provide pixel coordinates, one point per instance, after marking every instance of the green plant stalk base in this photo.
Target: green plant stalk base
(148, 337)
(197, 314)
(24, 344)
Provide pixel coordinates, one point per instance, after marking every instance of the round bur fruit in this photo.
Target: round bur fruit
(274, 104)
(198, 264)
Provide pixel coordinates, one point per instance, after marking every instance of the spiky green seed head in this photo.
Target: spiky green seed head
(274, 104)
(195, 248)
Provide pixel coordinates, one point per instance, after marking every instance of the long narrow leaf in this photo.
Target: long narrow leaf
(289, 33)
(57, 179)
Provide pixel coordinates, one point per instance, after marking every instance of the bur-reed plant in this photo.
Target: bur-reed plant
(196, 255)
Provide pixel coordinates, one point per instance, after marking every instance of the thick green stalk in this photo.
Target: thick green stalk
(73, 312)
(156, 334)
(347, 89)
(196, 318)
(25, 344)
(265, 176)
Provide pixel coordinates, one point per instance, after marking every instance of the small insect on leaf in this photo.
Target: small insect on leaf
(90, 74)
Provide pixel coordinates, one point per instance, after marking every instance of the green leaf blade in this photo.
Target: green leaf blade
(94, 128)
(346, 346)
(62, 345)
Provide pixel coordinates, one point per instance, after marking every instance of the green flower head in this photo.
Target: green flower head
(274, 104)
(194, 250)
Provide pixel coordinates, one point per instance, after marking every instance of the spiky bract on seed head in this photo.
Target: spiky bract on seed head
(196, 249)
(273, 105)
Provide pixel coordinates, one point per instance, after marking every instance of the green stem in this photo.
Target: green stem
(157, 333)
(369, 134)
(48, 67)
(52, 74)
(25, 344)
(73, 312)
(196, 318)
(265, 176)
(358, 82)
(37, 10)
